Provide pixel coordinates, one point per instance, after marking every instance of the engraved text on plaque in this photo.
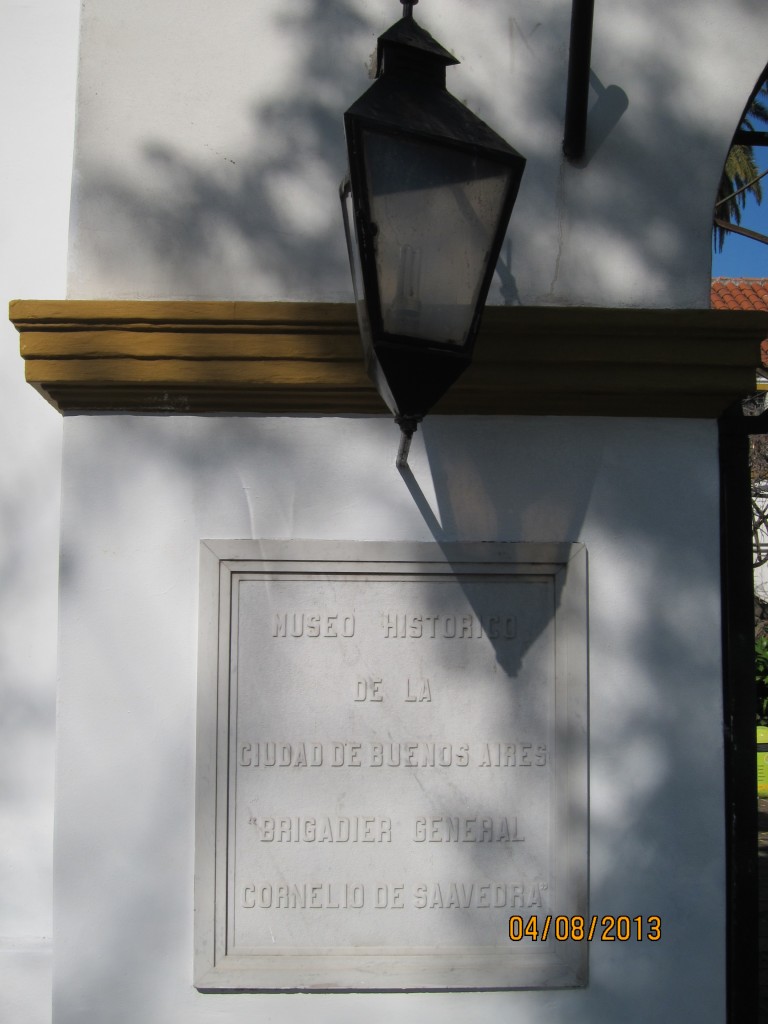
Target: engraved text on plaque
(392, 762)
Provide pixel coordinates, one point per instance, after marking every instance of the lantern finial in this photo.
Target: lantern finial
(408, 6)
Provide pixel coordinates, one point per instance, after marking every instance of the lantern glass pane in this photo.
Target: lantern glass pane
(436, 213)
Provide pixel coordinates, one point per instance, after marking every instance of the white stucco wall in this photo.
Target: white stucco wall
(209, 150)
(140, 493)
(38, 59)
(210, 142)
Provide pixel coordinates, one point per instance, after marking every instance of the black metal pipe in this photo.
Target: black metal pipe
(577, 97)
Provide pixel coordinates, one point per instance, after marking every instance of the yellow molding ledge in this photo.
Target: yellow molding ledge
(285, 357)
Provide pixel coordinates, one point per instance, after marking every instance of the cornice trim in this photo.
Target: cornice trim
(305, 358)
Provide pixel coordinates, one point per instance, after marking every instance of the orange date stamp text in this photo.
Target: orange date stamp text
(575, 928)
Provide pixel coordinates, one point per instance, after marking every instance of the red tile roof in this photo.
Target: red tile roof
(740, 293)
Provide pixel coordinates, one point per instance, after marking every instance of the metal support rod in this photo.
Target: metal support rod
(402, 451)
(738, 230)
(577, 97)
(408, 425)
(747, 138)
(408, 6)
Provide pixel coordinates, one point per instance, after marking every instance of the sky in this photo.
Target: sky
(743, 257)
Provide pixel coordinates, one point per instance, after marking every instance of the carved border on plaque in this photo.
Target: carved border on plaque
(384, 968)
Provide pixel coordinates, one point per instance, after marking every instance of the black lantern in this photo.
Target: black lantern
(429, 195)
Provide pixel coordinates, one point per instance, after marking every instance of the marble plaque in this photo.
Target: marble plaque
(391, 764)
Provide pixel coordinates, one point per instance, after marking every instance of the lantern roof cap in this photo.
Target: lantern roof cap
(407, 34)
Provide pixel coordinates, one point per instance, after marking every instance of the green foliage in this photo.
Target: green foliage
(761, 678)
(741, 174)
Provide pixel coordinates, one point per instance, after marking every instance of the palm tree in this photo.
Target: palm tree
(741, 175)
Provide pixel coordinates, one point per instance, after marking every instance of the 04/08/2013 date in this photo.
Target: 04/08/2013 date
(584, 929)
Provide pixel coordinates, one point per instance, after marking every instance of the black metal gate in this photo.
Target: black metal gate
(739, 701)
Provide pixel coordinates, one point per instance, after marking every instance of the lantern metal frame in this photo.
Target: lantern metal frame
(409, 102)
